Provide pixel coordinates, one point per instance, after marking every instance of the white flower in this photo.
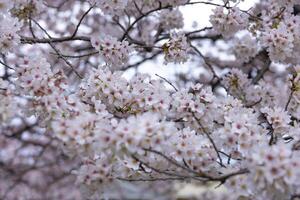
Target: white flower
(236, 82)
(113, 52)
(282, 39)
(228, 23)
(272, 169)
(9, 38)
(9, 107)
(113, 7)
(34, 75)
(278, 118)
(245, 48)
(176, 49)
(144, 131)
(280, 43)
(171, 19)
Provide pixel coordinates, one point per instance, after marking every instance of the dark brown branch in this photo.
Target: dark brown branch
(152, 179)
(264, 56)
(29, 40)
(80, 21)
(5, 65)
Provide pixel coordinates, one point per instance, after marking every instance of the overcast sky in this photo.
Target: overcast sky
(200, 12)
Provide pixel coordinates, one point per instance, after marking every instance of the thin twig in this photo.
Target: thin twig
(57, 51)
(171, 84)
(5, 65)
(210, 139)
(80, 21)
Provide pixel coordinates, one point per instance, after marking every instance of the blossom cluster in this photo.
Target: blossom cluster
(9, 27)
(228, 22)
(176, 49)
(112, 7)
(245, 48)
(9, 105)
(275, 165)
(113, 52)
(109, 119)
(117, 7)
(171, 19)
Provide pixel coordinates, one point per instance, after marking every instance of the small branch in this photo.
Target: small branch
(289, 100)
(30, 26)
(197, 31)
(80, 21)
(174, 162)
(65, 60)
(5, 65)
(140, 18)
(167, 82)
(79, 56)
(205, 59)
(29, 40)
(57, 51)
(293, 89)
(143, 60)
(176, 176)
(166, 172)
(210, 139)
(262, 72)
(152, 179)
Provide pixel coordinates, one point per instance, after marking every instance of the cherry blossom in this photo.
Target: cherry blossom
(228, 22)
(89, 108)
(114, 53)
(176, 49)
(9, 39)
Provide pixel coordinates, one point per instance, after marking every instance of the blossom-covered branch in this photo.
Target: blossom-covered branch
(80, 118)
